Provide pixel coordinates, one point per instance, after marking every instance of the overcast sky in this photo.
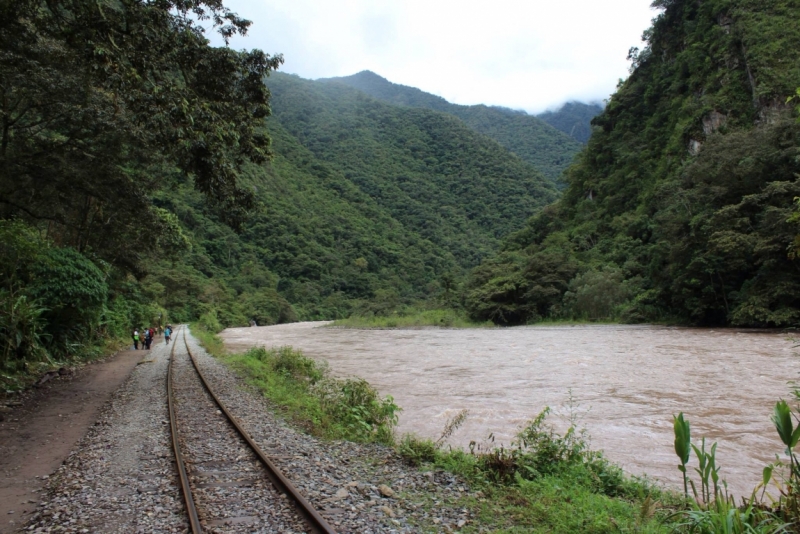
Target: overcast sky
(523, 54)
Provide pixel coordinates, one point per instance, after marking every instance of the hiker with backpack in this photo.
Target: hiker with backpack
(167, 333)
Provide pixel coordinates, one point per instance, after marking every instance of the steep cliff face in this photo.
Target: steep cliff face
(682, 198)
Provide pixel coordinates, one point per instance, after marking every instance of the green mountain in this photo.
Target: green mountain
(682, 206)
(317, 247)
(532, 139)
(366, 206)
(456, 188)
(574, 119)
(144, 181)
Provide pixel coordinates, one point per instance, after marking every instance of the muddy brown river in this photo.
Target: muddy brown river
(625, 383)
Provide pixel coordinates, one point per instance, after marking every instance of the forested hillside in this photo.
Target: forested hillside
(364, 207)
(141, 182)
(103, 104)
(460, 190)
(533, 140)
(681, 208)
(573, 118)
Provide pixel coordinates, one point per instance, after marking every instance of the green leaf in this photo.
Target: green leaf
(782, 417)
(766, 475)
(682, 438)
(795, 436)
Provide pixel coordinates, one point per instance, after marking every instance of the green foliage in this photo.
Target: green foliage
(100, 97)
(782, 418)
(209, 322)
(323, 405)
(367, 209)
(439, 179)
(514, 288)
(172, 241)
(22, 335)
(713, 510)
(724, 516)
(20, 246)
(546, 482)
(687, 186)
(573, 118)
(269, 307)
(597, 294)
(57, 305)
(417, 451)
(411, 318)
(683, 441)
(531, 138)
(73, 292)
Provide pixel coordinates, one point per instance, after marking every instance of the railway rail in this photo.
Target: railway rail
(228, 482)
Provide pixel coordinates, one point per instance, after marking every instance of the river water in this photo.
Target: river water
(622, 383)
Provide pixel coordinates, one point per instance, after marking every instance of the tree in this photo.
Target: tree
(101, 102)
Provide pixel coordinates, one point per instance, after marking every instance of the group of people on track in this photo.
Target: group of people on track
(145, 336)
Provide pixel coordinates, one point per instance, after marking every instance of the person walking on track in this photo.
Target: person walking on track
(167, 333)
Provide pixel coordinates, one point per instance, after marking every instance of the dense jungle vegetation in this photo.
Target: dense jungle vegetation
(547, 143)
(142, 179)
(682, 207)
(141, 182)
(104, 105)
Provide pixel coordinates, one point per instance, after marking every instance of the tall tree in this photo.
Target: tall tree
(100, 100)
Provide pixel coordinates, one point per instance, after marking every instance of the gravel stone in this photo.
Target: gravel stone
(122, 476)
(320, 469)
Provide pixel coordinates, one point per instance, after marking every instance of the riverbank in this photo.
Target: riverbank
(443, 318)
(551, 483)
(623, 382)
(413, 319)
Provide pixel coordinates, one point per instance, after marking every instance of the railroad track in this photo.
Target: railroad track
(228, 483)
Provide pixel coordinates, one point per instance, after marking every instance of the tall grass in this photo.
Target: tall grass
(412, 319)
(306, 393)
(547, 482)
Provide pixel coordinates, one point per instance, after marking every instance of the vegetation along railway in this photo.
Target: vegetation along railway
(226, 479)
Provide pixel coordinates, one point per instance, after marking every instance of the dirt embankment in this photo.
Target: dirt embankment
(40, 428)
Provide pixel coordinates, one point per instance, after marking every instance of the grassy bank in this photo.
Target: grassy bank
(444, 318)
(413, 319)
(544, 483)
(303, 391)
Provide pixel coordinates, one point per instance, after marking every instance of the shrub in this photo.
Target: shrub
(357, 406)
(596, 294)
(327, 406)
(21, 332)
(72, 290)
(209, 322)
(417, 451)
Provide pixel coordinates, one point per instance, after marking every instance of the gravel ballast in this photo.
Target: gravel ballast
(122, 476)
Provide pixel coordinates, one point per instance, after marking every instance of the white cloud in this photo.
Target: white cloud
(524, 54)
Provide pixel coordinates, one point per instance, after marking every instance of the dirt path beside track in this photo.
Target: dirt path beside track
(38, 435)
